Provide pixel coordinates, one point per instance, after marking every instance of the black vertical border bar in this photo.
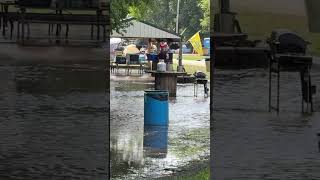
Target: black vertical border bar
(212, 70)
(107, 70)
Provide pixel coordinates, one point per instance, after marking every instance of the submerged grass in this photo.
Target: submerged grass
(191, 142)
(201, 175)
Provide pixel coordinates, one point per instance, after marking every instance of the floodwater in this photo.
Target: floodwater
(53, 122)
(251, 143)
(139, 152)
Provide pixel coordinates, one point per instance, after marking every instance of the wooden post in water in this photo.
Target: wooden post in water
(166, 81)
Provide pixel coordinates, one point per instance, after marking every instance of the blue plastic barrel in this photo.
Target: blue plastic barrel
(156, 108)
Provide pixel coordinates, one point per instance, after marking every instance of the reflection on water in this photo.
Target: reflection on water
(155, 141)
(251, 143)
(146, 152)
(53, 120)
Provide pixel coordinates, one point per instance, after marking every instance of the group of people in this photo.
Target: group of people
(164, 53)
(151, 53)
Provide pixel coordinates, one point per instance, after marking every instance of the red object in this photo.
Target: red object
(163, 45)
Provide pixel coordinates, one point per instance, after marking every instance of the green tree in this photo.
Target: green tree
(205, 21)
(163, 14)
(194, 15)
(119, 10)
(190, 17)
(159, 12)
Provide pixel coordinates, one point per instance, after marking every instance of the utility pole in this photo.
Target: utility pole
(177, 19)
(180, 67)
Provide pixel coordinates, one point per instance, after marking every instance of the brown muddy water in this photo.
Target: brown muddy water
(149, 153)
(251, 143)
(53, 122)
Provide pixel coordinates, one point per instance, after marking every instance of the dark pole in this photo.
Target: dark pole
(225, 6)
(312, 11)
(318, 141)
(212, 72)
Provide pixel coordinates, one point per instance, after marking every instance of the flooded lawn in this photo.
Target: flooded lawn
(53, 119)
(149, 152)
(250, 142)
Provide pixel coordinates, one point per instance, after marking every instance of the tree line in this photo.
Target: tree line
(194, 15)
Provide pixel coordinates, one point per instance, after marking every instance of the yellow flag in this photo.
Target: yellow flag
(196, 43)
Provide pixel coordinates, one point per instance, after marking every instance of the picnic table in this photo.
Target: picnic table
(114, 67)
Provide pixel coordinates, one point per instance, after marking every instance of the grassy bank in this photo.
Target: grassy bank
(190, 57)
(192, 63)
(190, 69)
(201, 175)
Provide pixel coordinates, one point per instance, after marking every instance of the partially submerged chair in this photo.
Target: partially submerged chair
(200, 78)
(133, 59)
(288, 53)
